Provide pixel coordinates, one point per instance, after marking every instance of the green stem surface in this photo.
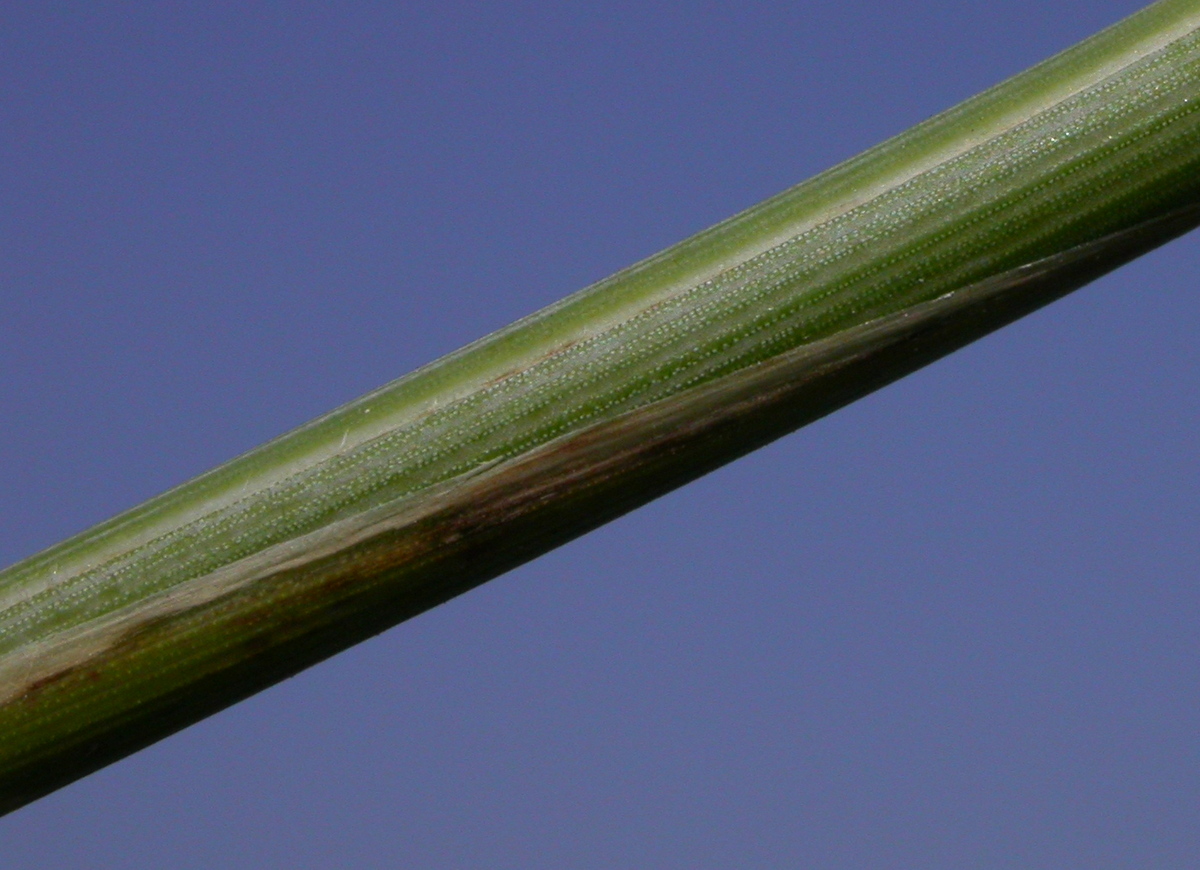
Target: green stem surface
(576, 414)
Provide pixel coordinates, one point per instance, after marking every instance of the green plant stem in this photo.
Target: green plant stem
(531, 436)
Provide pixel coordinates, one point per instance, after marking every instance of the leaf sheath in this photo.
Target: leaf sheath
(480, 461)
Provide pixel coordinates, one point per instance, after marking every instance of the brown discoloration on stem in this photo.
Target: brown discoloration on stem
(214, 640)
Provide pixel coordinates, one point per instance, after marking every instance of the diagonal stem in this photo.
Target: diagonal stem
(494, 454)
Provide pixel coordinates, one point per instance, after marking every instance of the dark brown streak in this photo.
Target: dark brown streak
(392, 567)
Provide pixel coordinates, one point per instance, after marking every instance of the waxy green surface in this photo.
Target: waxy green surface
(486, 458)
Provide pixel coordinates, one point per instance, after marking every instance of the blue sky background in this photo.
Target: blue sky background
(953, 625)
